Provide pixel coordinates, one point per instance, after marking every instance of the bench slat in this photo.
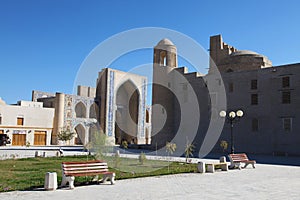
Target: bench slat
(85, 171)
(239, 157)
(85, 162)
(86, 168)
(84, 165)
(88, 174)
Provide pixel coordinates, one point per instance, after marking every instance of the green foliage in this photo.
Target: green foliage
(142, 158)
(172, 168)
(98, 144)
(125, 144)
(171, 147)
(27, 144)
(65, 135)
(224, 145)
(189, 149)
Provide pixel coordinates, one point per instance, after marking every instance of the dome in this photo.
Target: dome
(244, 53)
(165, 41)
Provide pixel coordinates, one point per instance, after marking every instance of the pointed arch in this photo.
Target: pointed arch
(80, 134)
(80, 110)
(163, 58)
(127, 103)
(94, 110)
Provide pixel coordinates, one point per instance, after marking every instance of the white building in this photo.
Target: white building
(26, 123)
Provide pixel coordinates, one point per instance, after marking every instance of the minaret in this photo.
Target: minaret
(164, 62)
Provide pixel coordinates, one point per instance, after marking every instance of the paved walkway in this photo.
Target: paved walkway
(264, 182)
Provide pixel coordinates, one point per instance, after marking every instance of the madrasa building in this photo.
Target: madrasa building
(116, 107)
(268, 96)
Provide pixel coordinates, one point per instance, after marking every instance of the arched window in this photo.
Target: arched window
(80, 110)
(147, 116)
(93, 111)
(163, 58)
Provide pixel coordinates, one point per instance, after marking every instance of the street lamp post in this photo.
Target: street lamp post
(232, 117)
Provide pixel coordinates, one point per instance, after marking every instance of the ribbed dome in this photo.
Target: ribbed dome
(165, 41)
(245, 52)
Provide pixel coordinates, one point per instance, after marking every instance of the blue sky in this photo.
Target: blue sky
(44, 42)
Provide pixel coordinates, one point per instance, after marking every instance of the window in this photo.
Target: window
(254, 99)
(20, 121)
(0, 120)
(147, 116)
(254, 84)
(287, 124)
(163, 58)
(230, 87)
(286, 97)
(285, 82)
(254, 125)
(80, 110)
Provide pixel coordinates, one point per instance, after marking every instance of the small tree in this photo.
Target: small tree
(189, 149)
(65, 135)
(170, 148)
(98, 144)
(224, 145)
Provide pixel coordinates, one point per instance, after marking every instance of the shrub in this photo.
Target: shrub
(224, 145)
(142, 158)
(65, 135)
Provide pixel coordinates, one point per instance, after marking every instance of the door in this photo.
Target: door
(19, 140)
(39, 137)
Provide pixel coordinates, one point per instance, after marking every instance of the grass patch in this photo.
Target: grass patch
(29, 173)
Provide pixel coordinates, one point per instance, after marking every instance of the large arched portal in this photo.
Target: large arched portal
(126, 123)
(80, 134)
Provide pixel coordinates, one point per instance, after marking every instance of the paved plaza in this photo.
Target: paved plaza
(264, 182)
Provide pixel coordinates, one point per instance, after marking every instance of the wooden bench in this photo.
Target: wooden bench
(237, 159)
(88, 168)
(212, 166)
